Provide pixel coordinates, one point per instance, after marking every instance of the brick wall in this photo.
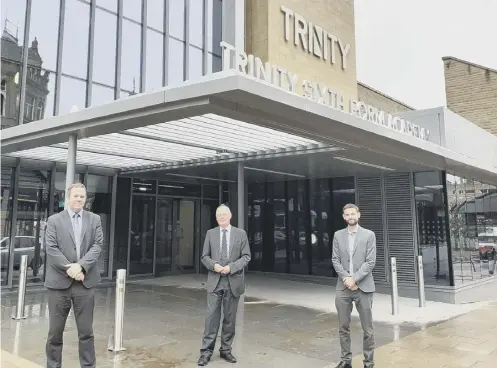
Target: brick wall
(471, 92)
(381, 101)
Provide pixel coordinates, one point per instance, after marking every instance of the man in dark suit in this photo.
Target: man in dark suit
(354, 257)
(73, 242)
(226, 253)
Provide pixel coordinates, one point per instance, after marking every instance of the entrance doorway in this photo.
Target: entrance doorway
(176, 236)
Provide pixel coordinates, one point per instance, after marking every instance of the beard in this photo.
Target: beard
(352, 222)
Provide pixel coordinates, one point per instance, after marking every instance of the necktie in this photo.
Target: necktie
(224, 249)
(77, 233)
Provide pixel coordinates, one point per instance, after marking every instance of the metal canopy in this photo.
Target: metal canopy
(228, 117)
(185, 141)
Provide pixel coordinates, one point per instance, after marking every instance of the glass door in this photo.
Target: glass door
(184, 249)
(142, 235)
(164, 234)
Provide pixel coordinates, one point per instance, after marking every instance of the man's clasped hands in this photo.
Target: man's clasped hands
(350, 283)
(222, 270)
(75, 271)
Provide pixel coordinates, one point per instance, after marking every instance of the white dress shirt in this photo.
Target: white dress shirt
(228, 233)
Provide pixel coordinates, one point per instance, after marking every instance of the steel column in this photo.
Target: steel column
(241, 195)
(71, 163)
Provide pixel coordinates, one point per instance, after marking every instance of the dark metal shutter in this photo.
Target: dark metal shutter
(400, 234)
(369, 190)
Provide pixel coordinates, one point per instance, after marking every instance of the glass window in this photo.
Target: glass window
(13, 17)
(195, 67)
(155, 14)
(99, 201)
(432, 236)
(108, 4)
(256, 200)
(43, 33)
(104, 57)
(177, 19)
(130, 59)
(7, 188)
(142, 235)
(39, 102)
(133, 10)
(211, 191)
(343, 193)
(215, 26)
(76, 36)
(72, 95)
(154, 59)
(175, 63)
(101, 95)
(32, 215)
(121, 230)
(196, 23)
(144, 186)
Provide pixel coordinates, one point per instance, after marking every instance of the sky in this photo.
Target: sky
(400, 44)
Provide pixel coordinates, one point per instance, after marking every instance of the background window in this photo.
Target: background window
(104, 57)
(130, 59)
(76, 35)
(101, 95)
(44, 32)
(196, 22)
(154, 60)
(155, 14)
(175, 63)
(177, 19)
(195, 67)
(72, 95)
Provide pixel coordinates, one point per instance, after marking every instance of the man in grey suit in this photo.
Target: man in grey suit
(73, 242)
(354, 257)
(226, 254)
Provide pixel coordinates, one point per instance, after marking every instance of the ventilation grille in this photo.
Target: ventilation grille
(400, 237)
(370, 204)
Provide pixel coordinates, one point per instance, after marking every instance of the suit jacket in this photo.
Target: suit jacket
(61, 249)
(239, 257)
(363, 258)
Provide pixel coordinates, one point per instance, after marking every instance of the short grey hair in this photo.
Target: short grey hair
(350, 206)
(75, 185)
(222, 207)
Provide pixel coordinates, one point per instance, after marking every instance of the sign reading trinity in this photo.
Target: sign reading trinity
(284, 79)
(314, 39)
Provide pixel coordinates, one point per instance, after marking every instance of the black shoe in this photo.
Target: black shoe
(344, 365)
(228, 357)
(203, 360)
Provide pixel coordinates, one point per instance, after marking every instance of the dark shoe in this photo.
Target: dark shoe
(228, 357)
(203, 360)
(344, 365)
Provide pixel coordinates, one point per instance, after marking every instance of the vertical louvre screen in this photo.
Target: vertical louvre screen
(400, 237)
(371, 207)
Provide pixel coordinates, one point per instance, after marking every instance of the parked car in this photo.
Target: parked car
(24, 245)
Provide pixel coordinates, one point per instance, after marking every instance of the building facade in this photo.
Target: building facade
(183, 128)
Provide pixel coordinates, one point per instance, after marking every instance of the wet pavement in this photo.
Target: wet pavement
(163, 327)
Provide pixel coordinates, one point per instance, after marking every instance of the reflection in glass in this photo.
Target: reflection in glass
(13, 15)
(108, 4)
(40, 94)
(175, 63)
(155, 60)
(473, 228)
(322, 228)
(143, 186)
(155, 14)
(432, 234)
(196, 22)
(184, 244)
(72, 95)
(177, 19)
(343, 193)
(75, 45)
(7, 187)
(195, 67)
(104, 57)
(130, 59)
(99, 201)
(164, 235)
(142, 235)
(133, 10)
(43, 33)
(32, 214)
(214, 32)
(101, 95)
